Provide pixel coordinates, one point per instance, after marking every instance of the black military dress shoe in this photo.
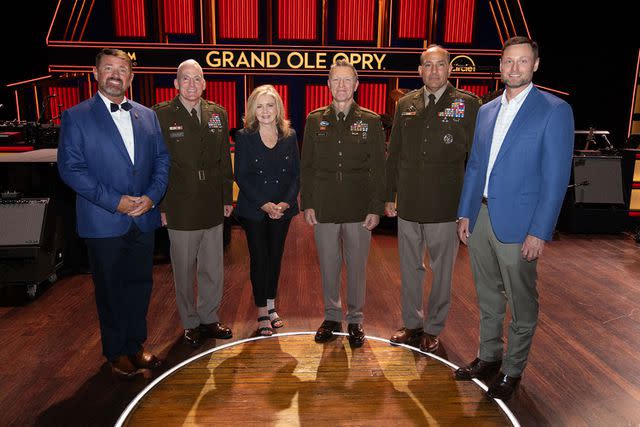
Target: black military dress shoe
(478, 369)
(356, 334)
(407, 336)
(503, 387)
(326, 330)
(216, 330)
(192, 337)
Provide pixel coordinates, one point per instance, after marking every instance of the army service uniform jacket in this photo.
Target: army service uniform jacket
(427, 153)
(342, 168)
(201, 179)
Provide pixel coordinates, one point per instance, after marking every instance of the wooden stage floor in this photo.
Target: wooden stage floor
(584, 368)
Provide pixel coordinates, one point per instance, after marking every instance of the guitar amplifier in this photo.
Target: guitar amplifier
(30, 240)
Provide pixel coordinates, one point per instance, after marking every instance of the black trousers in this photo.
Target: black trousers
(266, 244)
(122, 269)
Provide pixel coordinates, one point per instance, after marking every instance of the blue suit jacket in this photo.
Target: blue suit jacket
(261, 181)
(93, 161)
(530, 175)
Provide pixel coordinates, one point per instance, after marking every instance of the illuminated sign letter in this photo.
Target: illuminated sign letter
(291, 56)
(273, 60)
(213, 59)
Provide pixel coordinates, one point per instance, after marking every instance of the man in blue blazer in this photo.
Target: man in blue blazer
(112, 154)
(514, 185)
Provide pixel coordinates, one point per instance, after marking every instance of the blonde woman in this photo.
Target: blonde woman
(267, 170)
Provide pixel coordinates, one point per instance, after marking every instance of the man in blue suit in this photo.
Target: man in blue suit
(514, 184)
(112, 154)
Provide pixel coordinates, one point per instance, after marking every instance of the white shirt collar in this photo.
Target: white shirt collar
(518, 99)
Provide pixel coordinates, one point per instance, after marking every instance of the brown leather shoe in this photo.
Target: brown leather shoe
(429, 343)
(145, 360)
(478, 369)
(356, 334)
(216, 330)
(192, 337)
(407, 336)
(122, 367)
(503, 387)
(326, 330)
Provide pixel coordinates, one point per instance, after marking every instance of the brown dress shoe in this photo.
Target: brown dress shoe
(478, 369)
(216, 330)
(326, 330)
(192, 337)
(122, 367)
(145, 360)
(356, 334)
(407, 336)
(503, 387)
(429, 343)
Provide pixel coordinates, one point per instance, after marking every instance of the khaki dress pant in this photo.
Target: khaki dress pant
(333, 241)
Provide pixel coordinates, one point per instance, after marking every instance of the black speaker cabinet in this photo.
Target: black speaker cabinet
(595, 202)
(598, 179)
(30, 242)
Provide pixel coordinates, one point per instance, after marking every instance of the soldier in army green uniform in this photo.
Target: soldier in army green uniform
(431, 136)
(199, 195)
(343, 179)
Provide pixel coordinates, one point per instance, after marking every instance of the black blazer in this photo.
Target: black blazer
(263, 181)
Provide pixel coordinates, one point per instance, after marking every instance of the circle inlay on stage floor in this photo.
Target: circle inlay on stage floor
(290, 380)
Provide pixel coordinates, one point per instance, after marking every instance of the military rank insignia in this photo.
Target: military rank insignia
(215, 122)
(411, 111)
(455, 112)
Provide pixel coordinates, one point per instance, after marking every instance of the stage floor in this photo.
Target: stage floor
(584, 367)
(290, 380)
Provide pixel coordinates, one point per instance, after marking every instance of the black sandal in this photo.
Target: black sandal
(277, 322)
(264, 331)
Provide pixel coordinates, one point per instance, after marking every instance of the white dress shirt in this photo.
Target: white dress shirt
(507, 113)
(122, 119)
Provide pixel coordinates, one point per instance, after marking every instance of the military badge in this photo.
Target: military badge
(448, 138)
(175, 127)
(215, 122)
(359, 126)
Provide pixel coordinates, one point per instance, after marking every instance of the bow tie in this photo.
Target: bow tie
(125, 106)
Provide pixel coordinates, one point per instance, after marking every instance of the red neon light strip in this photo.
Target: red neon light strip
(479, 90)
(297, 19)
(179, 17)
(316, 96)
(283, 90)
(66, 97)
(224, 93)
(238, 19)
(412, 19)
(165, 94)
(129, 17)
(7, 149)
(355, 20)
(459, 21)
(373, 96)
